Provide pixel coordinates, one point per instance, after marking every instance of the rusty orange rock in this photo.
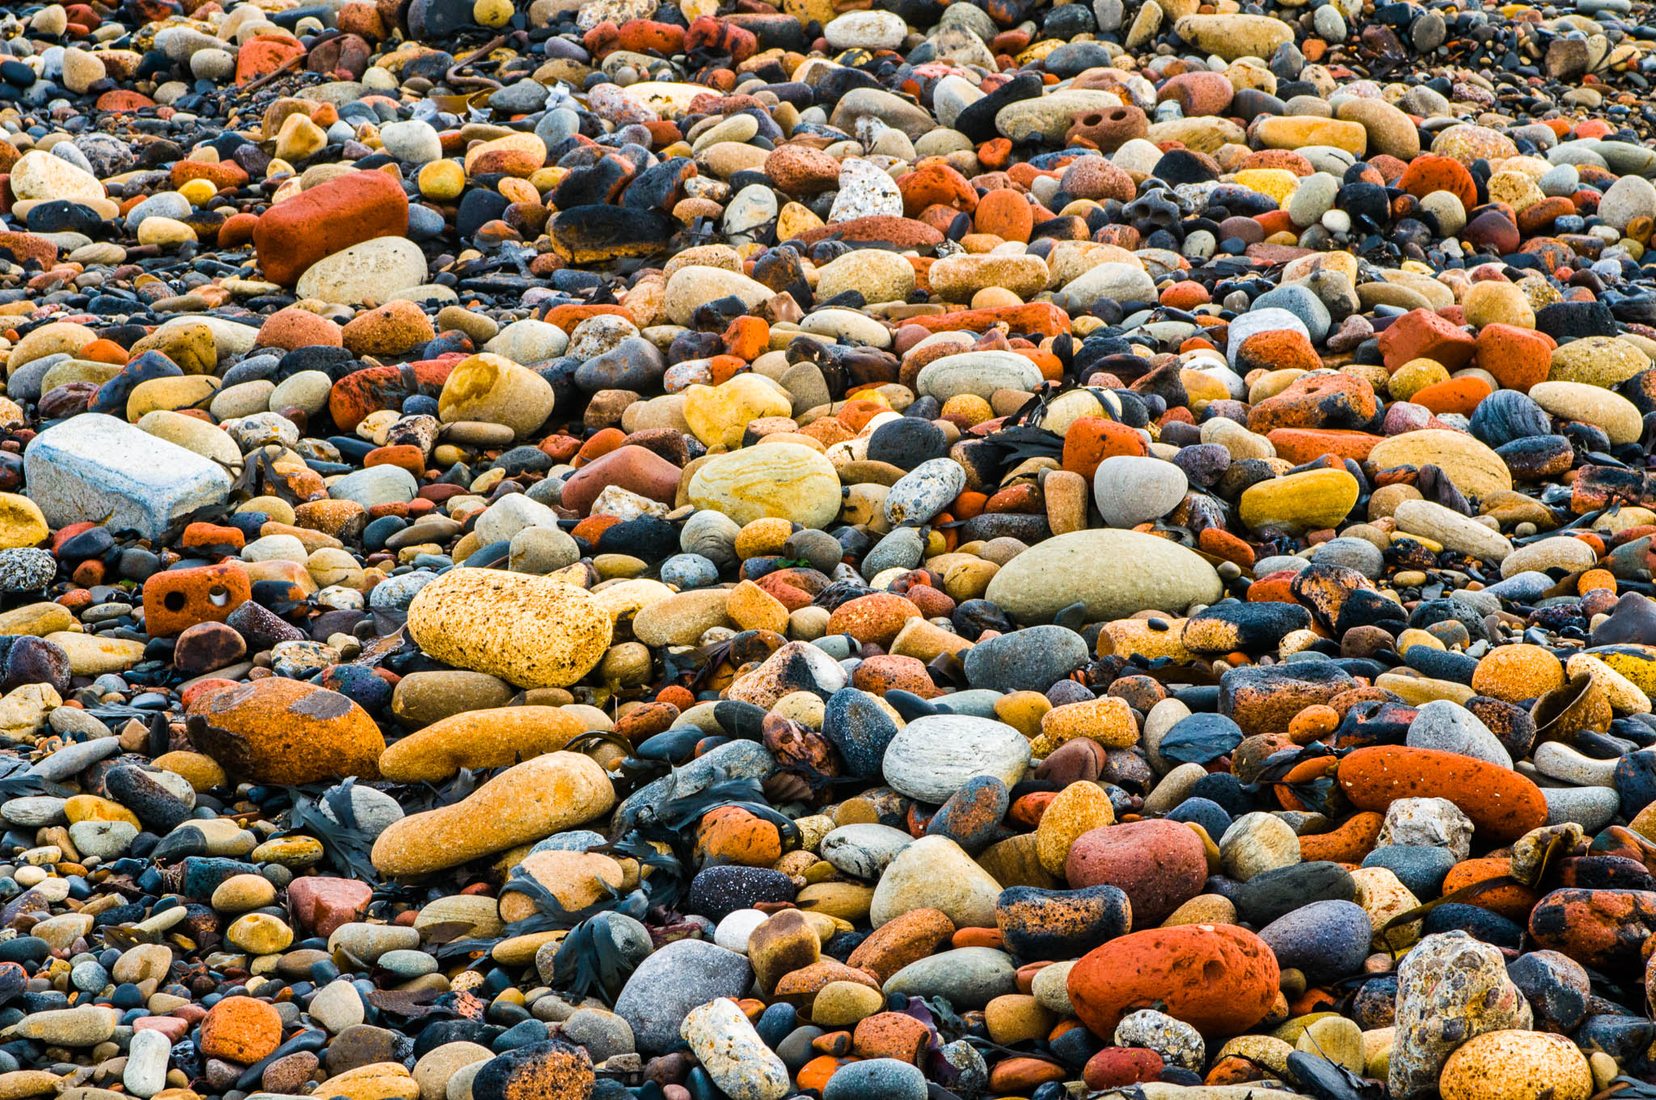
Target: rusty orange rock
(347, 210)
(1501, 804)
(277, 730)
(1220, 979)
(241, 1029)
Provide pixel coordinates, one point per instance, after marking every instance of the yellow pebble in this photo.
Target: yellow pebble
(968, 407)
(198, 191)
(89, 807)
(442, 180)
(518, 190)
(991, 296)
(492, 13)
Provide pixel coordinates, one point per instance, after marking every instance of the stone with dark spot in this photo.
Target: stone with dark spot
(1600, 929)
(277, 730)
(1061, 924)
(972, 815)
(553, 1068)
(1557, 987)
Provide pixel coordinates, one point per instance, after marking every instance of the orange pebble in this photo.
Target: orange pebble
(601, 444)
(104, 351)
(1596, 580)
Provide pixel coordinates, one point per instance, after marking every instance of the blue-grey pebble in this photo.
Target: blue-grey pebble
(876, 1079)
(689, 571)
(1420, 868)
(1302, 303)
(1353, 553)
(1032, 659)
(1325, 940)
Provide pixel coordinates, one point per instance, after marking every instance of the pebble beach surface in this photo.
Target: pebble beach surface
(827, 549)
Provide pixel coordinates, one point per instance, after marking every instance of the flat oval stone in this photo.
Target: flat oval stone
(781, 480)
(368, 272)
(1146, 573)
(1325, 939)
(968, 977)
(933, 756)
(980, 373)
(1025, 660)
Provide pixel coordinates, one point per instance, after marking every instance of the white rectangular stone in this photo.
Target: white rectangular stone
(96, 468)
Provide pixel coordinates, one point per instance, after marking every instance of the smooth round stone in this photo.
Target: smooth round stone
(1129, 490)
(1256, 843)
(145, 1073)
(675, 979)
(1146, 573)
(693, 286)
(1616, 415)
(968, 977)
(906, 442)
(868, 30)
(735, 930)
(933, 756)
(1441, 724)
(1158, 864)
(1025, 660)
(723, 888)
(878, 276)
(1325, 940)
(876, 1079)
(935, 873)
(780, 480)
(103, 839)
(1350, 553)
(370, 271)
(338, 1005)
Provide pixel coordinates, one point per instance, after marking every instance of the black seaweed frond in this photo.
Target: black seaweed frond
(345, 843)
